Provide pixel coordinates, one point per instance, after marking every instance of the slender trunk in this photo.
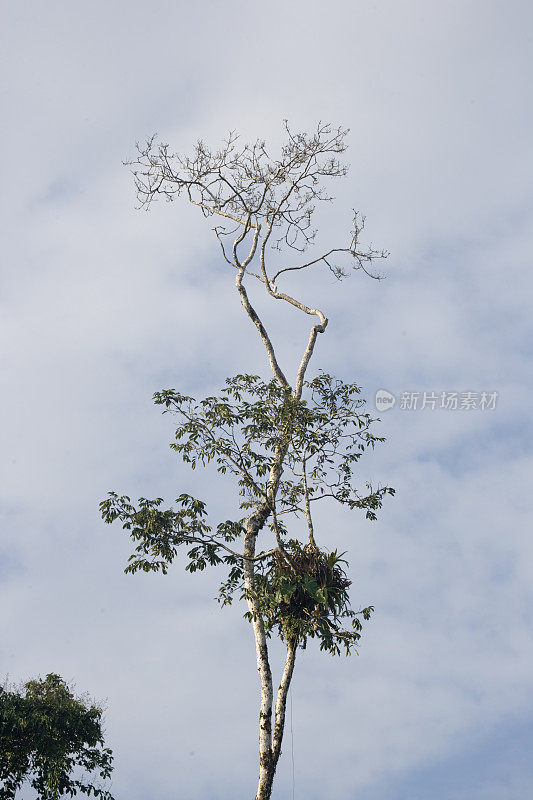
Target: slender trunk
(268, 751)
(266, 778)
(266, 772)
(270, 743)
(281, 700)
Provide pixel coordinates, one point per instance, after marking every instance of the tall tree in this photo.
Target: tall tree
(52, 740)
(286, 443)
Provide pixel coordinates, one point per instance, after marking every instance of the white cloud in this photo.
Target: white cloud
(102, 305)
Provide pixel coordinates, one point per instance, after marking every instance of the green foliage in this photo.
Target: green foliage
(329, 433)
(160, 533)
(46, 734)
(303, 591)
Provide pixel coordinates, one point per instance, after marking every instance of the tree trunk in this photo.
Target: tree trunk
(269, 743)
(269, 764)
(281, 701)
(269, 749)
(266, 772)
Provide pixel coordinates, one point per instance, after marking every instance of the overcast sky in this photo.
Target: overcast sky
(101, 305)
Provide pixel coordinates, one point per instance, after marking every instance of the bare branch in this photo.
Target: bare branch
(262, 332)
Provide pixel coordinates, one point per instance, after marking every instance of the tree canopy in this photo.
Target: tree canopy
(52, 740)
(302, 590)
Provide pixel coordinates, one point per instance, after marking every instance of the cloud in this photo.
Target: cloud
(102, 305)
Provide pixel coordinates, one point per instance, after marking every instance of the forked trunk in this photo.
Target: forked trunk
(269, 741)
(269, 760)
(263, 667)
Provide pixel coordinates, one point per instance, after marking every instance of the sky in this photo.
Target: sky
(102, 304)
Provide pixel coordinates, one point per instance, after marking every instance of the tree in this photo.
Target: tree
(286, 444)
(46, 736)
